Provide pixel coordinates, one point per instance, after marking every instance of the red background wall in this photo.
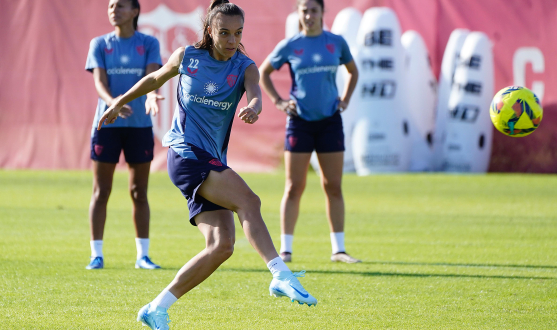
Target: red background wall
(47, 99)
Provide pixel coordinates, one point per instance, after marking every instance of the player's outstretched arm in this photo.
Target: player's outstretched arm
(250, 114)
(148, 84)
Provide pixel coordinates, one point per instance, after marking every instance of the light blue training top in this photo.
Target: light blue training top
(208, 93)
(125, 61)
(313, 65)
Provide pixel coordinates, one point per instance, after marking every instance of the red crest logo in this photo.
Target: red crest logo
(292, 140)
(215, 162)
(192, 71)
(231, 80)
(98, 149)
(108, 51)
(140, 50)
(298, 51)
(330, 48)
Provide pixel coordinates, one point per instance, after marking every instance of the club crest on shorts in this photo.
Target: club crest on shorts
(292, 140)
(231, 80)
(98, 149)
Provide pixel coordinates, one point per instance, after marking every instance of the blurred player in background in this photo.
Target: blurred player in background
(214, 74)
(314, 121)
(118, 60)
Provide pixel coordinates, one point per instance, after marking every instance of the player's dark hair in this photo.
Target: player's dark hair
(223, 7)
(135, 5)
(319, 2)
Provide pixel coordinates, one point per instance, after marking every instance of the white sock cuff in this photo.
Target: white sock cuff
(96, 248)
(277, 265)
(165, 299)
(337, 242)
(142, 245)
(286, 243)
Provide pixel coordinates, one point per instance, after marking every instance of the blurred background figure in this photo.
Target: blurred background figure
(118, 60)
(314, 121)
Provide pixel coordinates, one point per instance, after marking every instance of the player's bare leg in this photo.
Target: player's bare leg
(331, 164)
(296, 164)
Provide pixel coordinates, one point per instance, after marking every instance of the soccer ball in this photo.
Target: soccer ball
(516, 111)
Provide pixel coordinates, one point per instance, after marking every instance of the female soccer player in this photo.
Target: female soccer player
(314, 121)
(214, 74)
(118, 60)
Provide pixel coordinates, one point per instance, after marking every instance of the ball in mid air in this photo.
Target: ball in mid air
(516, 111)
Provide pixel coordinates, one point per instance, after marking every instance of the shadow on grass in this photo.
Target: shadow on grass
(456, 265)
(352, 272)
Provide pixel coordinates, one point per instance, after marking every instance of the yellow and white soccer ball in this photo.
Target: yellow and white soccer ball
(516, 111)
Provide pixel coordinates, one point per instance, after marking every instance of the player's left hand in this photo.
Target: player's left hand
(248, 115)
(342, 105)
(152, 103)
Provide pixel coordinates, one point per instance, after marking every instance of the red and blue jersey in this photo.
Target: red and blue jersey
(208, 93)
(125, 61)
(313, 65)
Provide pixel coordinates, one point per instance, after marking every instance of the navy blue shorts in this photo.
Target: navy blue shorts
(188, 175)
(137, 143)
(324, 135)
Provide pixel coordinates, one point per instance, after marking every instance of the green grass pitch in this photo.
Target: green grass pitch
(439, 251)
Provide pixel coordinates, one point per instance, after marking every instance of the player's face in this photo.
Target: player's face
(311, 15)
(121, 12)
(226, 32)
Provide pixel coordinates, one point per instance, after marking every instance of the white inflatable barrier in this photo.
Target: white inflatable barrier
(346, 24)
(448, 67)
(380, 141)
(420, 97)
(467, 147)
(292, 27)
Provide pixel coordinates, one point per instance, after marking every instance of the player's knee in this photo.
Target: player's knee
(294, 190)
(333, 189)
(223, 248)
(138, 194)
(253, 201)
(101, 194)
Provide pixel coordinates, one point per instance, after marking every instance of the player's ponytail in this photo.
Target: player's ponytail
(135, 5)
(218, 6)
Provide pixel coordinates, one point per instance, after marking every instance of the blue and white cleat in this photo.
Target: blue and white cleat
(286, 284)
(154, 317)
(146, 263)
(96, 263)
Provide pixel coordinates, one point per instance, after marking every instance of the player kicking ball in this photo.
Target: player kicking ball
(213, 77)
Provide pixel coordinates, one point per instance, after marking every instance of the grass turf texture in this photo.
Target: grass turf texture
(439, 252)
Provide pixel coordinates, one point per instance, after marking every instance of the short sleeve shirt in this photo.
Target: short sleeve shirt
(125, 61)
(208, 94)
(313, 65)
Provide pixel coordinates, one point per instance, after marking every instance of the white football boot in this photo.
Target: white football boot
(286, 284)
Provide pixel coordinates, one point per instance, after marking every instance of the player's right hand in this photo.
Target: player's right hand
(288, 107)
(114, 111)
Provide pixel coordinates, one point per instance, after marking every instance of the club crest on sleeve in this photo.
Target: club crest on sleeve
(215, 162)
(231, 80)
(140, 50)
(330, 48)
